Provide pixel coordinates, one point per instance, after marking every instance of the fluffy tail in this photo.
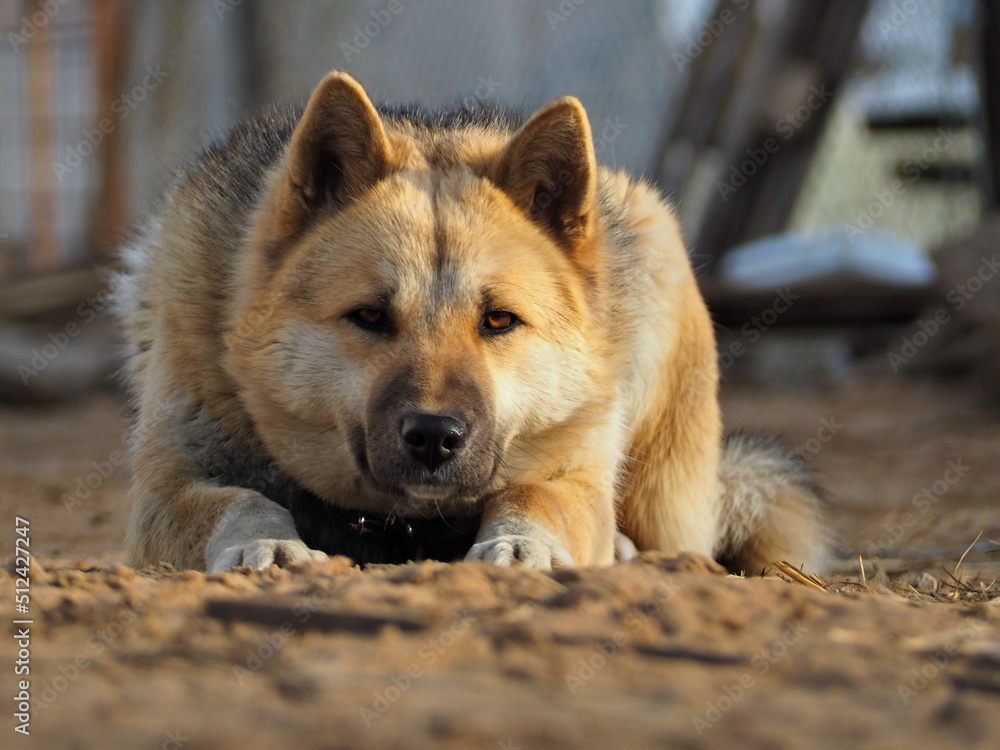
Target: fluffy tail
(770, 509)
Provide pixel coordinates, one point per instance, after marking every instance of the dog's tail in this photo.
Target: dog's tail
(770, 509)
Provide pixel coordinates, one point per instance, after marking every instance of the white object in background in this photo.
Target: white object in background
(786, 259)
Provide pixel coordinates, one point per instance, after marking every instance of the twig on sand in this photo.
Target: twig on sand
(797, 575)
(958, 567)
(959, 584)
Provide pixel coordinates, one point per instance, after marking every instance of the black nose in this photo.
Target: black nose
(432, 439)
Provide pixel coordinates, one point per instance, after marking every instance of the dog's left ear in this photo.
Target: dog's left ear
(549, 170)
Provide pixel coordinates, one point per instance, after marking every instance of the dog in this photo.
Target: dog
(397, 334)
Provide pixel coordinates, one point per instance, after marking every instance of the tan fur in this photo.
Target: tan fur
(598, 410)
(771, 511)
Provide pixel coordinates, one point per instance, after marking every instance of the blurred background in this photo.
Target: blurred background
(836, 167)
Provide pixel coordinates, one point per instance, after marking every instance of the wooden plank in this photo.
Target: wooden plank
(990, 56)
(42, 294)
(821, 303)
(702, 106)
(109, 217)
(43, 250)
(771, 65)
(820, 44)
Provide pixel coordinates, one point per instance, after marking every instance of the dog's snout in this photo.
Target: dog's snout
(432, 439)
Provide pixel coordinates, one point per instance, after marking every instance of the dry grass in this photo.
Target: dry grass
(946, 586)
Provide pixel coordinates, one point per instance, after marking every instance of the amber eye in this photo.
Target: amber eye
(498, 321)
(370, 318)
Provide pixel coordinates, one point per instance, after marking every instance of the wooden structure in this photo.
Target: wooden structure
(755, 108)
(990, 48)
(761, 80)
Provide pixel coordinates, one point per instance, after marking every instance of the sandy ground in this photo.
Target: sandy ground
(663, 652)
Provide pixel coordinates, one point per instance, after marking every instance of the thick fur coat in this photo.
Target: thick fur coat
(393, 334)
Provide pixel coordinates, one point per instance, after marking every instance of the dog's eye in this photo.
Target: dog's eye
(370, 318)
(498, 321)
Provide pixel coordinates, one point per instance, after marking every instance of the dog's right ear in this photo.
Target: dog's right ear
(338, 150)
(549, 170)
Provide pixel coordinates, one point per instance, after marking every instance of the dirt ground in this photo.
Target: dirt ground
(662, 652)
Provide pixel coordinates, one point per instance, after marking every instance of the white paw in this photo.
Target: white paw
(624, 548)
(508, 542)
(262, 553)
(258, 533)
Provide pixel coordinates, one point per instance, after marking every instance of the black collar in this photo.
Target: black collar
(378, 538)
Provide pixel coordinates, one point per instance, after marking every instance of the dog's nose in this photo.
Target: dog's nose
(432, 439)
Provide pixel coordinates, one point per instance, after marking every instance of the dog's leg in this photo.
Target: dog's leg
(213, 528)
(558, 523)
(183, 517)
(256, 532)
(671, 488)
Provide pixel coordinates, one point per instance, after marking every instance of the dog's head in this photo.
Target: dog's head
(417, 308)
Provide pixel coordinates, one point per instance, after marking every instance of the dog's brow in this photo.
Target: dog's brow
(380, 297)
(497, 289)
(490, 296)
(385, 297)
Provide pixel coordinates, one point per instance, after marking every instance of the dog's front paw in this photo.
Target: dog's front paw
(262, 553)
(257, 533)
(625, 549)
(520, 541)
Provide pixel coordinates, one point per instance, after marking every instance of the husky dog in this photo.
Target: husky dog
(395, 334)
